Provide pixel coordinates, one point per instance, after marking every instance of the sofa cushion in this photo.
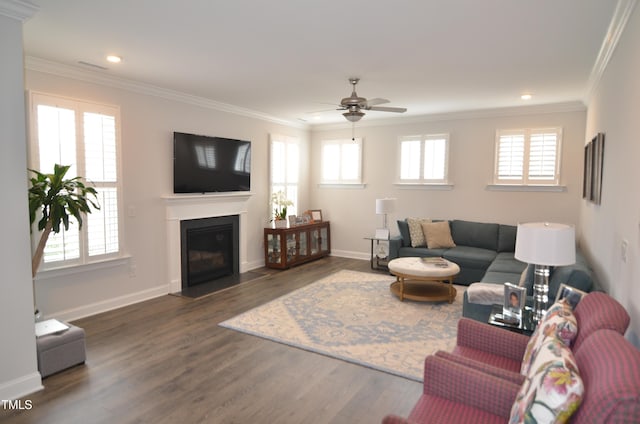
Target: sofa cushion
(403, 228)
(421, 252)
(558, 322)
(470, 257)
(437, 235)
(553, 389)
(507, 238)
(506, 262)
(415, 231)
(475, 234)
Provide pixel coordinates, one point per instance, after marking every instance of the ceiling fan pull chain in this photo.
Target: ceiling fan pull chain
(353, 131)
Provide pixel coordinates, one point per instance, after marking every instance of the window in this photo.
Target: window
(528, 156)
(424, 159)
(85, 136)
(285, 162)
(341, 161)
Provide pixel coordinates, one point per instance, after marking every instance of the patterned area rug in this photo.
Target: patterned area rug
(354, 317)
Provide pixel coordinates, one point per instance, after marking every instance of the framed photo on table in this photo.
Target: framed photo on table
(514, 300)
(316, 215)
(571, 295)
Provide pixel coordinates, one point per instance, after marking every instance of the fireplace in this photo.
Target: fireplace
(209, 249)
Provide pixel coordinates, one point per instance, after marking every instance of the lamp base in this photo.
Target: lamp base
(540, 291)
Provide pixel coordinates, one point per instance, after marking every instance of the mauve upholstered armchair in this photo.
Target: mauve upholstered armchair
(505, 349)
(456, 393)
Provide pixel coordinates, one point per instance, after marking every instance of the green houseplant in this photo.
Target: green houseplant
(280, 204)
(57, 199)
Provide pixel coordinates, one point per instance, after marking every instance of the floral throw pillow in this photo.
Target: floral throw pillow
(552, 390)
(415, 231)
(558, 322)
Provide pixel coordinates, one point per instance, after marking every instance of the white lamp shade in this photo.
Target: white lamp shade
(384, 206)
(544, 243)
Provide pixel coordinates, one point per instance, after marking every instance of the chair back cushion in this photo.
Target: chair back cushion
(598, 311)
(610, 369)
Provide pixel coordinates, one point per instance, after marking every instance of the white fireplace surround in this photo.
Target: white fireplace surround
(184, 207)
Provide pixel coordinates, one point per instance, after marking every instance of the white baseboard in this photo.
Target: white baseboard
(351, 255)
(20, 387)
(109, 304)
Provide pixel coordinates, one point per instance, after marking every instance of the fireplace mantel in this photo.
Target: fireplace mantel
(182, 207)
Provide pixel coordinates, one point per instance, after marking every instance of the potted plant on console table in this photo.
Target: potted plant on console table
(280, 204)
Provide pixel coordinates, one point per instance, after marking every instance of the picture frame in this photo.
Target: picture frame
(570, 294)
(515, 298)
(593, 169)
(293, 220)
(316, 215)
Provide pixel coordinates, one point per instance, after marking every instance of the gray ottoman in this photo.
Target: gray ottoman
(57, 352)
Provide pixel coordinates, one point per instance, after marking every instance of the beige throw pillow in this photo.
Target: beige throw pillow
(415, 231)
(438, 235)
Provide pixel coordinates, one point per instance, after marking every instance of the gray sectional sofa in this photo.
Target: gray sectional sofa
(485, 253)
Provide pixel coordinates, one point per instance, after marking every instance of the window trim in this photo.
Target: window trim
(421, 181)
(525, 181)
(84, 261)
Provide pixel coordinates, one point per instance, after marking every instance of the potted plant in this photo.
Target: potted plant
(57, 200)
(280, 204)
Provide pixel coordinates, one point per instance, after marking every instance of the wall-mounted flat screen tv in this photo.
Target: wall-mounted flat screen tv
(203, 164)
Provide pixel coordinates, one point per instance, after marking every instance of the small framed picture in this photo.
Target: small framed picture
(570, 294)
(514, 299)
(316, 215)
(292, 220)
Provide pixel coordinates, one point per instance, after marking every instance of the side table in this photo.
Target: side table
(379, 253)
(526, 326)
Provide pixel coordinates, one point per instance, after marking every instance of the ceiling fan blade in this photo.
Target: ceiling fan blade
(376, 101)
(388, 109)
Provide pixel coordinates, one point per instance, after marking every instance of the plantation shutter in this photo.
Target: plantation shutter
(542, 155)
(510, 163)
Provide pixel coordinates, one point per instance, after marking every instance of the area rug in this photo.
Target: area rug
(354, 317)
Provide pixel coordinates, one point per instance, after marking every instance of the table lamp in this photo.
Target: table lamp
(384, 207)
(544, 244)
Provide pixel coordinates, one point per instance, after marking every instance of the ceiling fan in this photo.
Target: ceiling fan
(354, 104)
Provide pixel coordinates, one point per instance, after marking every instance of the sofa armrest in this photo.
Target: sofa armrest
(511, 376)
(491, 339)
(458, 383)
(395, 243)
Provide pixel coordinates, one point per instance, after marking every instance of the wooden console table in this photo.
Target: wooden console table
(287, 247)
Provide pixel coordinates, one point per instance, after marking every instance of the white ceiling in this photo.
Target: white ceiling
(285, 58)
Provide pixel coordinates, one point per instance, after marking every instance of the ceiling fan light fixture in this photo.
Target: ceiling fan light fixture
(353, 116)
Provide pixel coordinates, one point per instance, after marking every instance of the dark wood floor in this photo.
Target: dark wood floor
(166, 360)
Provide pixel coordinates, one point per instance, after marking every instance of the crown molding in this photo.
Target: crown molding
(18, 9)
(95, 77)
(616, 28)
(565, 107)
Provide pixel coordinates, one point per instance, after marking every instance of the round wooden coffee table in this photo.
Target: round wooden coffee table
(424, 279)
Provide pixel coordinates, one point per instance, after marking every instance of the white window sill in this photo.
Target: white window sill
(425, 186)
(343, 185)
(45, 274)
(520, 187)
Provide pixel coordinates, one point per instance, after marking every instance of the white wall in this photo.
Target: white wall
(18, 367)
(613, 110)
(472, 139)
(148, 123)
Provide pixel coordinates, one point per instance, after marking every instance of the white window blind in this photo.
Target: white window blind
(85, 136)
(424, 159)
(341, 161)
(528, 156)
(285, 163)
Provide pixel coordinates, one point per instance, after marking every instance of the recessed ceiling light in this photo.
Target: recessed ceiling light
(114, 59)
(526, 96)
